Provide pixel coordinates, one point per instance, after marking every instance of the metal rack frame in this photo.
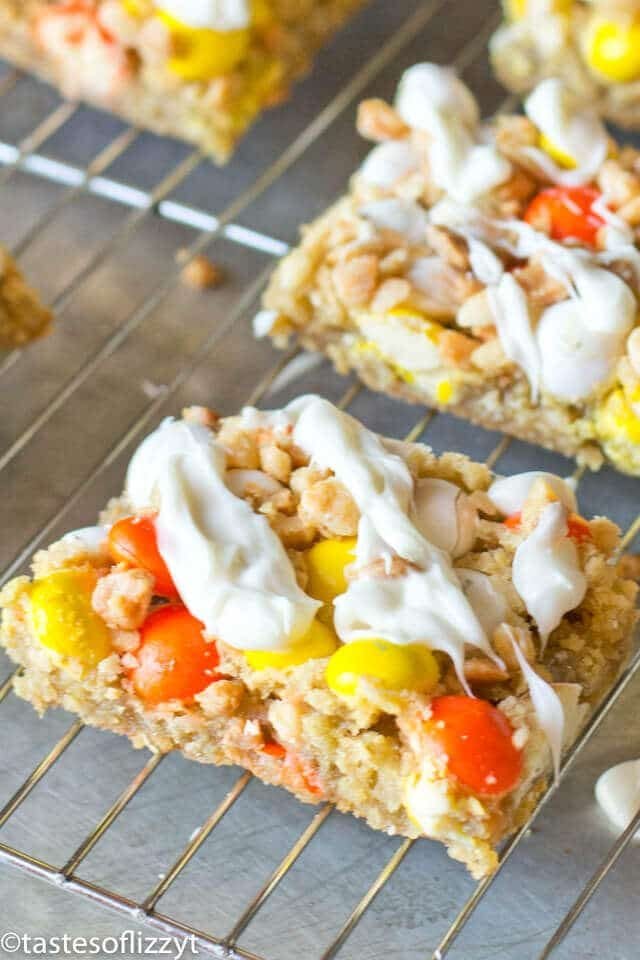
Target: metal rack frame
(26, 157)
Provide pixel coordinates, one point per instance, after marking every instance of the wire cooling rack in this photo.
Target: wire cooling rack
(97, 212)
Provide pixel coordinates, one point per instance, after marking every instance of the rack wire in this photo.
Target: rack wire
(220, 358)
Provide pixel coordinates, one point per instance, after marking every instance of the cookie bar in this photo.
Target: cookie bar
(200, 71)
(22, 315)
(350, 617)
(489, 270)
(594, 47)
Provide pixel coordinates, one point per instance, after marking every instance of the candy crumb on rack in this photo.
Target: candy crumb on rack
(200, 272)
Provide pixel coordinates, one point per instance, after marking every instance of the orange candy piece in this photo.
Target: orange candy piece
(174, 660)
(568, 212)
(577, 526)
(133, 541)
(274, 749)
(477, 740)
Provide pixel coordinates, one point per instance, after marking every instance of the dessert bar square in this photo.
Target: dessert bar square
(490, 270)
(345, 615)
(200, 71)
(593, 45)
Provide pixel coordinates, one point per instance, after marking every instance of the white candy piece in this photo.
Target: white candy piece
(223, 15)
(428, 802)
(405, 217)
(389, 162)
(443, 514)
(618, 793)
(510, 493)
(409, 347)
(240, 482)
(263, 323)
(425, 273)
(90, 539)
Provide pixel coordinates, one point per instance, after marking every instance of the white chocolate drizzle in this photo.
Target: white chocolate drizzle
(426, 603)
(487, 601)
(546, 571)
(513, 322)
(433, 99)
(228, 565)
(571, 127)
(574, 349)
(569, 350)
(547, 705)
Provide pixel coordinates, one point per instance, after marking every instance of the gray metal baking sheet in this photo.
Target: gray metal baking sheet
(75, 405)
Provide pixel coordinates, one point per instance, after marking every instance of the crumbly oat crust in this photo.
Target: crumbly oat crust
(138, 85)
(22, 315)
(356, 754)
(348, 290)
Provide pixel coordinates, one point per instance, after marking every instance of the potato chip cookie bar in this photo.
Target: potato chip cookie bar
(489, 270)
(22, 315)
(200, 70)
(594, 47)
(348, 616)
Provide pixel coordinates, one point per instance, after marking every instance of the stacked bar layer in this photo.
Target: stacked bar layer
(347, 616)
(200, 72)
(22, 315)
(593, 46)
(489, 270)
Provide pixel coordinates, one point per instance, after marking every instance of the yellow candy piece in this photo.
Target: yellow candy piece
(320, 641)
(444, 392)
(406, 312)
(517, 9)
(135, 8)
(261, 15)
(200, 54)
(561, 157)
(393, 667)
(616, 419)
(430, 329)
(64, 620)
(612, 49)
(326, 563)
